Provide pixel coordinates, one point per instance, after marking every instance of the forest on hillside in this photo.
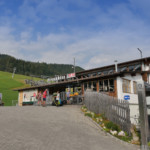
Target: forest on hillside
(8, 63)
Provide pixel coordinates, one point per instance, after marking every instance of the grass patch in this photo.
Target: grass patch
(107, 125)
(7, 84)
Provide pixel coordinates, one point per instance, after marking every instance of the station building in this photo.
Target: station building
(118, 80)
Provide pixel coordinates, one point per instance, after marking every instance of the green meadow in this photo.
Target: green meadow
(7, 86)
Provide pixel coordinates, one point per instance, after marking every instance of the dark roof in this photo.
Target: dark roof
(113, 66)
(81, 80)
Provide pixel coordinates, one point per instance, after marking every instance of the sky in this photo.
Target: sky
(95, 32)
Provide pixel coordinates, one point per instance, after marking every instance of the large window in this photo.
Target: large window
(101, 85)
(106, 85)
(126, 86)
(94, 86)
(85, 86)
(134, 87)
(111, 85)
(89, 84)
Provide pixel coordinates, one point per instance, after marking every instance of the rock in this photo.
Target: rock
(103, 125)
(92, 114)
(113, 132)
(97, 119)
(101, 120)
(135, 137)
(121, 133)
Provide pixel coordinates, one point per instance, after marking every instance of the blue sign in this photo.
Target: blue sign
(127, 97)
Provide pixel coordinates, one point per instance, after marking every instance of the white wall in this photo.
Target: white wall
(133, 101)
(133, 97)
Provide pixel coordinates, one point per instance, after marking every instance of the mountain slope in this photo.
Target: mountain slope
(7, 63)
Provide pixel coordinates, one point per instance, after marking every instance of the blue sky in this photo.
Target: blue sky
(95, 32)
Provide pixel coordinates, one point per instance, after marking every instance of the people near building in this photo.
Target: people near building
(34, 94)
(44, 97)
(57, 97)
(68, 96)
(34, 97)
(39, 98)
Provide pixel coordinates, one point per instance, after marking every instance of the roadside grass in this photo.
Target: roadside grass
(106, 125)
(7, 86)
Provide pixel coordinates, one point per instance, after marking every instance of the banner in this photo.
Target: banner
(71, 75)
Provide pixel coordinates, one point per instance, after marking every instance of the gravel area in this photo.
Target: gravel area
(53, 128)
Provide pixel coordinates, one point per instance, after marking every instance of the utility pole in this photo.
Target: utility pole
(74, 66)
(13, 72)
(144, 129)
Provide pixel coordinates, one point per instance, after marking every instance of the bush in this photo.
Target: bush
(88, 114)
(112, 126)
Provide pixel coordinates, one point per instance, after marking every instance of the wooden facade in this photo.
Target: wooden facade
(20, 98)
(95, 76)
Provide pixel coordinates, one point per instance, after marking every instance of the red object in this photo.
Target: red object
(34, 94)
(71, 75)
(44, 94)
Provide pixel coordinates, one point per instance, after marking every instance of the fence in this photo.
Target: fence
(14, 102)
(115, 110)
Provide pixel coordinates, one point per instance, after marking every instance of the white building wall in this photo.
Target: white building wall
(146, 68)
(28, 95)
(133, 101)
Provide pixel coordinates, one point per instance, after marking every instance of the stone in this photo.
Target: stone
(97, 119)
(113, 132)
(121, 133)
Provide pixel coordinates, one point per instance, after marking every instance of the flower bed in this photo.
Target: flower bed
(109, 126)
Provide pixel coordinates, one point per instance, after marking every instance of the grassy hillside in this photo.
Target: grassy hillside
(8, 63)
(7, 84)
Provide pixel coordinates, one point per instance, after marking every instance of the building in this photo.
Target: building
(117, 80)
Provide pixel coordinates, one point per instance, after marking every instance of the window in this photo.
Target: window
(94, 86)
(101, 85)
(106, 85)
(85, 86)
(126, 87)
(89, 85)
(111, 85)
(134, 87)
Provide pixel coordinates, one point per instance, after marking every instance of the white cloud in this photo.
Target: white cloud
(118, 36)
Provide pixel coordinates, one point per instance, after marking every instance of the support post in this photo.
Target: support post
(144, 129)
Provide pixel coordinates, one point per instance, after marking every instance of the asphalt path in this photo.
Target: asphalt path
(53, 128)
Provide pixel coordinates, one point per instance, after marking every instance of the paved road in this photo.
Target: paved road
(52, 128)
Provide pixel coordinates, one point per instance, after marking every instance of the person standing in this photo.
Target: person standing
(44, 97)
(57, 97)
(39, 98)
(68, 96)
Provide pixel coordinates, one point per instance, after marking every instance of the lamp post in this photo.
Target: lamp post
(14, 69)
(140, 51)
(141, 58)
(74, 67)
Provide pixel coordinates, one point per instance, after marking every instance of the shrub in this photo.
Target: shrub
(88, 114)
(112, 126)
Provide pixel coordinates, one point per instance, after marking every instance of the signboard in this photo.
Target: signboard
(127, 97)
(71, 75)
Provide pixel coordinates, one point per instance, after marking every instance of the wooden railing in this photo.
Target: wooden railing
(115, 110)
